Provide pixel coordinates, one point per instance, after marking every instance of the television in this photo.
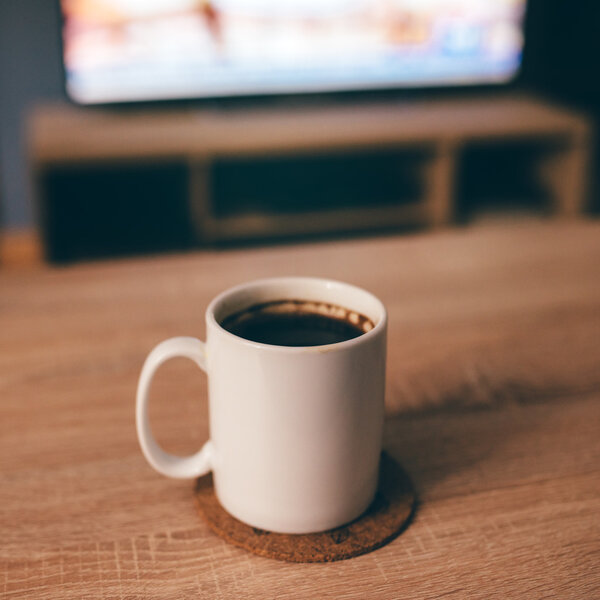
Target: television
(121, 51)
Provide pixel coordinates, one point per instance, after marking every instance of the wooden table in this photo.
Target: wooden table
(493, 399)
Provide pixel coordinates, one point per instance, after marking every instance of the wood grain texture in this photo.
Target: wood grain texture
(493, 389)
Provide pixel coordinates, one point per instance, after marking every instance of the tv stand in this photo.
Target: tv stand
(433, 132)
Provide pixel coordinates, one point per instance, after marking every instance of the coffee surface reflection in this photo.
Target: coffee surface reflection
(297, 323)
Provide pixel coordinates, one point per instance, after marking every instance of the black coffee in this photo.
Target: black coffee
(297, 323)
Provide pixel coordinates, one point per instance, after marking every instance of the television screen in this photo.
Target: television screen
(134, 50)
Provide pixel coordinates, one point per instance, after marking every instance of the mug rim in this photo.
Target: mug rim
(213, 306)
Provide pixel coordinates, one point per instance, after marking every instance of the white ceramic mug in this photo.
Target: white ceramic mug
(295, 432)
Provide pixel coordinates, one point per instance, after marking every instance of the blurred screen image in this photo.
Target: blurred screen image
(136, 50)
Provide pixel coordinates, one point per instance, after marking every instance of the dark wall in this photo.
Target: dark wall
(30, 70)
(564, 50)
(562, 62)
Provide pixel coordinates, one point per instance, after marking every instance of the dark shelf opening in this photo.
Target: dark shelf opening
(294, 184)
(501, 178)
(98, 211)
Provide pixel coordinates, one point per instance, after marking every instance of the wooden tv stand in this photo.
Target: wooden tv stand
(439, 129)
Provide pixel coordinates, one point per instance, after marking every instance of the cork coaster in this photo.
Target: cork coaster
(389, 514)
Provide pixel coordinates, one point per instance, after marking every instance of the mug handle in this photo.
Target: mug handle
(195, 465)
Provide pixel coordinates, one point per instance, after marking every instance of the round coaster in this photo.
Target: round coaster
(389, 514)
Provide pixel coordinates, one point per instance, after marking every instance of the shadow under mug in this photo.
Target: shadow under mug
(295, 432)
